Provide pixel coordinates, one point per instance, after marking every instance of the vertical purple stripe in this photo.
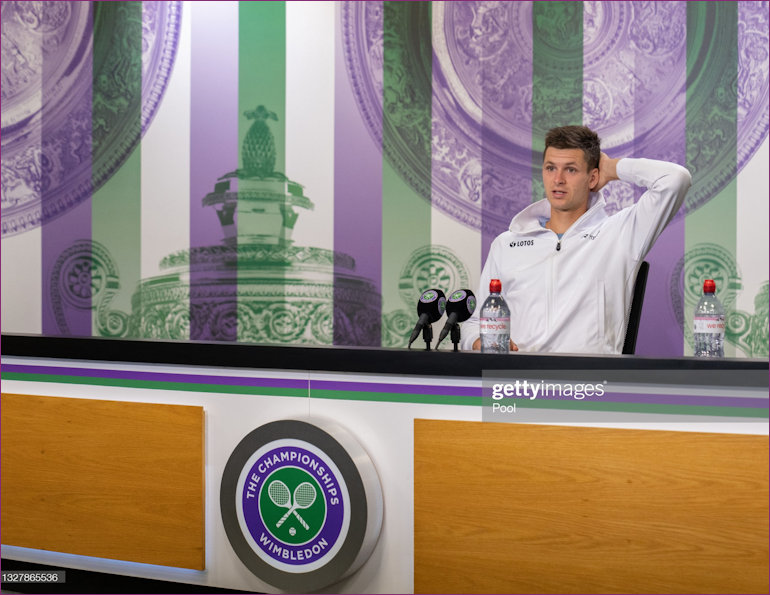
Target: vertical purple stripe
(213, 151)
(750, 49)
(65, 249)
(505, 157)
(490, 229)
(659, 332)
(357, 216)
(622, 86)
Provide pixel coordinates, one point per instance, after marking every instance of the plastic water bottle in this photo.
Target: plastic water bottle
(708, 327)
(495, 321)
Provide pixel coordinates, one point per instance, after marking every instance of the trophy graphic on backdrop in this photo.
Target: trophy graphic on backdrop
(257, 286)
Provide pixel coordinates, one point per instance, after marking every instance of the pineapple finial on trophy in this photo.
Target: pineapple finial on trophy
(259, 145)
(255, 204)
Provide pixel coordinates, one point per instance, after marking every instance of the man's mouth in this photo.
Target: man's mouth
(558, 193)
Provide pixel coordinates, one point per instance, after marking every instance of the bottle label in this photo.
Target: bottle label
(494, 326)
(715, 326)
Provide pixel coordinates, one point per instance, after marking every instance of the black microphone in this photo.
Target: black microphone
(459, 308)
(430, 307)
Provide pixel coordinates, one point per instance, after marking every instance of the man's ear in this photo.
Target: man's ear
(594, 179)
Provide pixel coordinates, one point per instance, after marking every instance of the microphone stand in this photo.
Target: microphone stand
(427, 335)
(455, 334)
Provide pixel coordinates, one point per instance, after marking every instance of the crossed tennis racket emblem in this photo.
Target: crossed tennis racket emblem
(304, 496)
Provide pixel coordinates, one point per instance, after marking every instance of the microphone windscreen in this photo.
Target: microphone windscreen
(433, 303)
(462, 302)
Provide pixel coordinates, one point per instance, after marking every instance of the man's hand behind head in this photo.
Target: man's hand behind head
(607, 171)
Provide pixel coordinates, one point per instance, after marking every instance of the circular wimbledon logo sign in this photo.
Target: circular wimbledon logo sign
(293, 505)
(297, 509)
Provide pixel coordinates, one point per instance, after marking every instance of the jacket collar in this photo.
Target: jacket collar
(528, 219)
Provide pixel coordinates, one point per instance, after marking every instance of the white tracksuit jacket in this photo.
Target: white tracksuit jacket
(573, 295)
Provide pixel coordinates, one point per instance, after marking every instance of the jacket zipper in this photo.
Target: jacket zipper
(558, 242)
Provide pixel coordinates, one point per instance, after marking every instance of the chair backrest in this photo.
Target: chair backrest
(635, 314)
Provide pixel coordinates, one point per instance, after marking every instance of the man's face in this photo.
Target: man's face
(567, 180)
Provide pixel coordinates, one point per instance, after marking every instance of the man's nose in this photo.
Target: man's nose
(559, 176)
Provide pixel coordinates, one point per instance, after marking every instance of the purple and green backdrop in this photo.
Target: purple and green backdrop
(292, 172)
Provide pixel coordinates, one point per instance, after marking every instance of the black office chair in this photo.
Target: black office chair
(635, 314)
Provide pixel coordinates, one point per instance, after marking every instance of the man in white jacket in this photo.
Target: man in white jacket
(567, 267)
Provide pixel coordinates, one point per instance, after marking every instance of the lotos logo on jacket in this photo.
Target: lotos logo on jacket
(519, 243)
(296, 507)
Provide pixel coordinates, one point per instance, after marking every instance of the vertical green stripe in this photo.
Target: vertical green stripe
(262, 159)
(406, 136)
(116, 207)
(557, 75)
(262, 70)
(715, 223)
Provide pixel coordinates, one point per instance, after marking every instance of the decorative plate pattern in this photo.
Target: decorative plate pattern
(481, 58)
(58, 111)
